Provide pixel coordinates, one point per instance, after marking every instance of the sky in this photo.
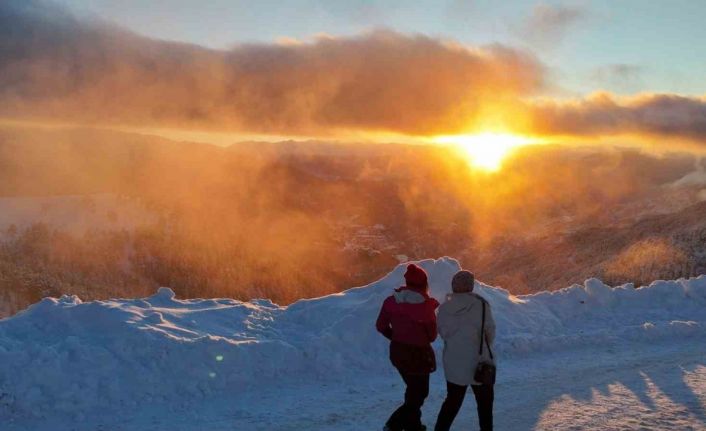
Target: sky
(624, 46)
(382, 71)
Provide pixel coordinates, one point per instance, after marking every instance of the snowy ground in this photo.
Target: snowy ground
(587, 357)
(637, 387)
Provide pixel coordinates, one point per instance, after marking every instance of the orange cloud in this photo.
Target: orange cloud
(604, 114)
(56, 67)
(383, 80)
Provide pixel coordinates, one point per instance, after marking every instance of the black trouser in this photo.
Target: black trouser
(408, 416)
(454, 399)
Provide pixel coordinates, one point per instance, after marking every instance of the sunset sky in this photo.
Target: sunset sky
(626, 70)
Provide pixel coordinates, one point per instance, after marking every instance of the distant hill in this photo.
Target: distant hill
(654, 247)
(102, 213)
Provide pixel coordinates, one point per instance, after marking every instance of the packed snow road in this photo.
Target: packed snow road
(634, 387)
(639, 386)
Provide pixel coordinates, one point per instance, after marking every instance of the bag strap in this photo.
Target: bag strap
(482, 334)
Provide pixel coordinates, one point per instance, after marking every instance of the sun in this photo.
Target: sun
(486, 150)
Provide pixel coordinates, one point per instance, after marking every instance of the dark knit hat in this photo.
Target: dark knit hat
(415, 277)
(463, 281)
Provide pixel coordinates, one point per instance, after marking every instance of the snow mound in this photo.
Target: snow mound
(65, 356)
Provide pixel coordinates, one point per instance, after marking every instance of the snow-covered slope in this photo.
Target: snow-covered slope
(62, 358)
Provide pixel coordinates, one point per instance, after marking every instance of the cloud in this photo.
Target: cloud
(605, 114)
(55, 66)
(619, 77)
(548, 24)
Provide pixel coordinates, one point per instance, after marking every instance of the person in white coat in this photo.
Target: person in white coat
(459, 324)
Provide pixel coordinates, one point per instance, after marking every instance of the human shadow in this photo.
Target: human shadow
(672, 383)
(657, 375)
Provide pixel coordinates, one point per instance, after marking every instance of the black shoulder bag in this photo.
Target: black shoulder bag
(485, 371)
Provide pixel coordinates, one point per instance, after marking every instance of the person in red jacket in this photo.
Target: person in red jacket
(407, 319)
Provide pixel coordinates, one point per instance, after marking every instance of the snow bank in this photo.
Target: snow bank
(67, 356)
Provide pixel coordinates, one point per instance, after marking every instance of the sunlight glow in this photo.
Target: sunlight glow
(487, 150)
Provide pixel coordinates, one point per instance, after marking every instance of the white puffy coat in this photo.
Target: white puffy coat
(459, 323)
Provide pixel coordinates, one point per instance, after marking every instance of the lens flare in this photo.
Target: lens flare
(487, 150)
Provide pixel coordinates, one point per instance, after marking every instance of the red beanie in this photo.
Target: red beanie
(415, 277)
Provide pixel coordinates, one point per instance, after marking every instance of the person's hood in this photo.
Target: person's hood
(409, 296)
(461, 303)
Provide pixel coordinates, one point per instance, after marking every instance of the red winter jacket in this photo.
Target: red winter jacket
(407, 318)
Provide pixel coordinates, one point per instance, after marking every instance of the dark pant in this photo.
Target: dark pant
(454, 399)
(408, 416)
